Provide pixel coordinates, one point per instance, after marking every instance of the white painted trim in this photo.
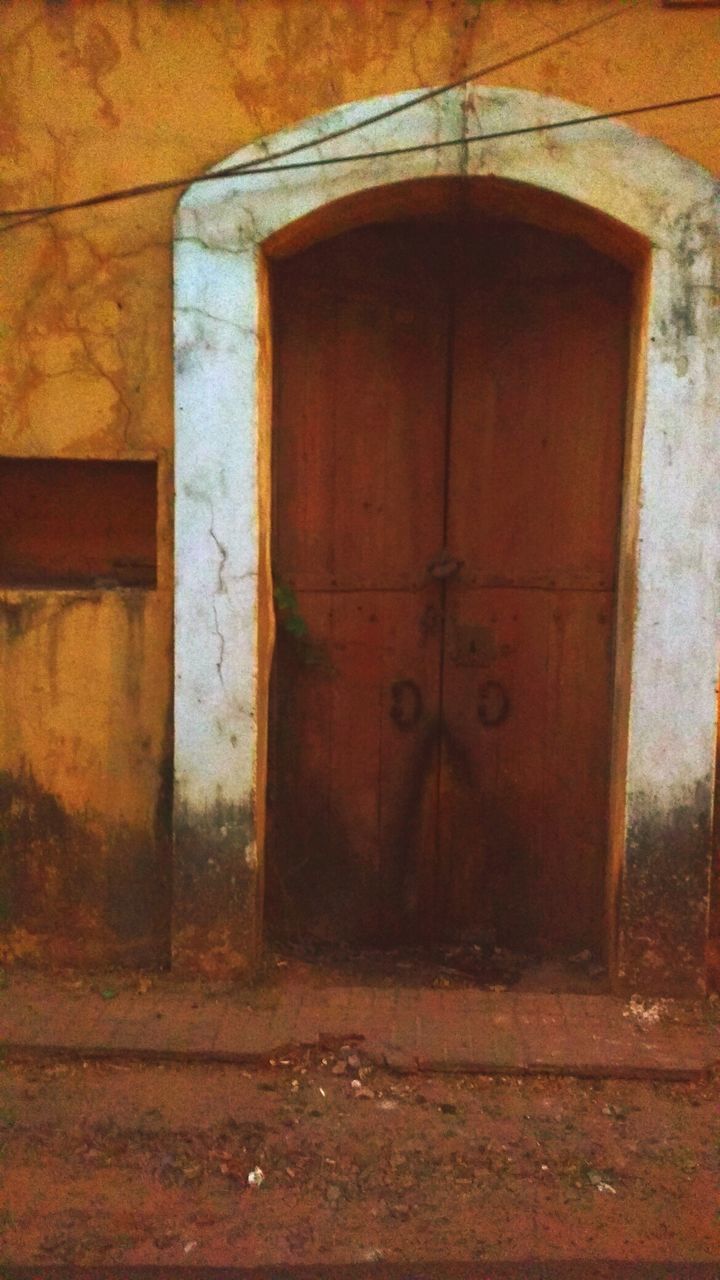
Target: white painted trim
(220, 230)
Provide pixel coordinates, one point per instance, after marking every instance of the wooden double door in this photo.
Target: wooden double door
(447, 457)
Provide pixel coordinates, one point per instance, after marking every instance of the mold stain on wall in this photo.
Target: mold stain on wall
(668, 912)
(85, 785)
(217, 892)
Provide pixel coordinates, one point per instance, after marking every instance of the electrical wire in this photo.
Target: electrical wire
(23, 216)
(523, 130)
(488, 137)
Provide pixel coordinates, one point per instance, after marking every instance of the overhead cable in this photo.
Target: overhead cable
(355, 157)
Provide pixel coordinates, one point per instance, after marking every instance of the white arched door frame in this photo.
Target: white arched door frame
(601, 180)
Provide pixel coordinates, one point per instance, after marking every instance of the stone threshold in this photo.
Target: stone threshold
(403, 1029)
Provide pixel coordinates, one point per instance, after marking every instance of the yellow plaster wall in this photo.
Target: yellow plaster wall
(99, 94)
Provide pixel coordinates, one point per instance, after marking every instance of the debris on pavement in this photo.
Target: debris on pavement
(646, 1013)
(598, 1181)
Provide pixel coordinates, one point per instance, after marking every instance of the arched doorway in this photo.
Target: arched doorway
(627, 196)
(448, 432)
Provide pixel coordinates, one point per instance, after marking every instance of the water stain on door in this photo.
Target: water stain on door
(447, 459)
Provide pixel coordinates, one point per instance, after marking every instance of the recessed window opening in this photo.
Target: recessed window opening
(73, 523)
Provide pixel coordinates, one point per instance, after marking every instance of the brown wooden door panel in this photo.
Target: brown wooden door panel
(303, 457)
(571, 877)
(538, 404)
(359, 446)
(492, 789)
(539, 369)
(410, 720)
(354, 761)
(523, 821)
(440, 749)
(361, 391)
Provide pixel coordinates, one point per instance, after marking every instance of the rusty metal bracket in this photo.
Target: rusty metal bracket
(444, 566)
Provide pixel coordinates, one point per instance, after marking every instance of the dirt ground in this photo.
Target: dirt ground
(152, 1164)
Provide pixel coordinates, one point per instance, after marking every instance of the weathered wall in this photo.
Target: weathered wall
(109, 93)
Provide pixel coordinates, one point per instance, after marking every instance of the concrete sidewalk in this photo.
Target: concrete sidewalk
(405, 1029)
